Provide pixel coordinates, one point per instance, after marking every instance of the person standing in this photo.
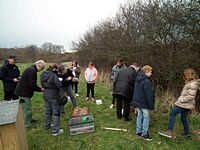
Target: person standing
(10, 75)
(65, 76)
(26, 87)
(52, 87)
(144, 100)
(115, 69)
(76, 71)
(91, 75)
(123, 89)
(184, 103)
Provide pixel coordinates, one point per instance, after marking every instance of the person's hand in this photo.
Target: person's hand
(16, 80)
(42, 89)
(69, 78)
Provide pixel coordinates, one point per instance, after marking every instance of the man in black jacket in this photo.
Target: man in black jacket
(26, 87)
(123, 89)
(10, 77)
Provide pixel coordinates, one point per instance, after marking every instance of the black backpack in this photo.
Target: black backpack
(1, 68)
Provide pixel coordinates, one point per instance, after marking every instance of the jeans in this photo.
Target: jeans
(184, 113)
(27, 111)
(142, 122)
(71, 95)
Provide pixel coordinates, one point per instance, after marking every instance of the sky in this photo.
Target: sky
(25, 22)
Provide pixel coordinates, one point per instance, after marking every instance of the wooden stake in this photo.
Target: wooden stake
(114, 129)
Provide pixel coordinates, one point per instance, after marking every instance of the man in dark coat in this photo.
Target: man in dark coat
(26, 87)
(123, 89)
(10, 77)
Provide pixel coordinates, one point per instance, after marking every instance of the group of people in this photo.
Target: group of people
(132, 86)
(57, 84)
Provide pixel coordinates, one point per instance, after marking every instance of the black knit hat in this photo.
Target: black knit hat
(13, 57)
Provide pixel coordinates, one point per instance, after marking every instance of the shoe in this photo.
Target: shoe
(86, 98)
(92, 99)
(146, 137)
(119, 117)
(167, 133)
(76, 95)
(127, 119)
(186, 135)
(138, 134)
(111, 106)
(59, 132)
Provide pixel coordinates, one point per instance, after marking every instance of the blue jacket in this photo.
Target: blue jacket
(144, 93)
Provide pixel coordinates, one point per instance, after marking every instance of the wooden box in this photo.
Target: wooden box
(81, 124)
(12, 129)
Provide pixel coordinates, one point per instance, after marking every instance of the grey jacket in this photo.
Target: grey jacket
(188, 95)
(115, 70)
(51, 85)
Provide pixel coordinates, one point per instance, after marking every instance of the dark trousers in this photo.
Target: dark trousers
(113, 98)
(126, 102)
(75, 85)
(52, 108)
(8, 95)
(90, 87)
(184, 113)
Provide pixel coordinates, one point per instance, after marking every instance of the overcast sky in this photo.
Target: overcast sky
(24, 22)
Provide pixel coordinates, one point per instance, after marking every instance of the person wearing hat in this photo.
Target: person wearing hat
(10, 76)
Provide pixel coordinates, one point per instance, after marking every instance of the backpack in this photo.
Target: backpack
(1, 68)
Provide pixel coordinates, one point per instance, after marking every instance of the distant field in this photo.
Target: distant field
(40, 139)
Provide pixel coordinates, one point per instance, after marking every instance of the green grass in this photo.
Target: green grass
(40, 139)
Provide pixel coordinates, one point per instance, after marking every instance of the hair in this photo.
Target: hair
(75, 62)
(190, 73)
(120, 60)
(147, 68)
(135, 64)
(40, 62)
(53, 66)
(91, 63)
(61, 68)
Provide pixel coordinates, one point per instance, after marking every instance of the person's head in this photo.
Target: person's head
(12, 59)
(62, 69)
(189, 74)
(135, 66)
(40, 64)
(120, 62)
(53, 67)
(74, 63)
(147, 70)
(91, 65)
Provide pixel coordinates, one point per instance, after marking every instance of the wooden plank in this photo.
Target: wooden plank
(8, 137)
(20, 130)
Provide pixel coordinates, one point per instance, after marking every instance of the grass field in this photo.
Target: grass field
(40, 139)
